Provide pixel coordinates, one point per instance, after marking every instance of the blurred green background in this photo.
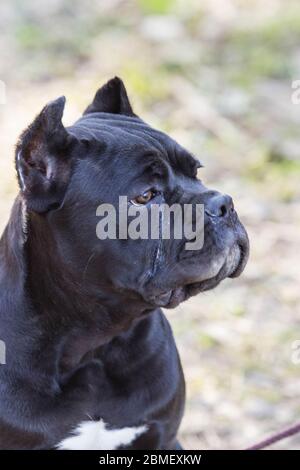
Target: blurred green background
(216, 75)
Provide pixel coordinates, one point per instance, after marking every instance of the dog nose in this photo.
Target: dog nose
(219, 205)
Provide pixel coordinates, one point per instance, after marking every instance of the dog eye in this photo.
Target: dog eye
(143, 198)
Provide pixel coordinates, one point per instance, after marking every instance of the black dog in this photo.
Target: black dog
(91, 362)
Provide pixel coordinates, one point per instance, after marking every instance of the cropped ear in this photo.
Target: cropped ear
(111, 98)
(43, 159)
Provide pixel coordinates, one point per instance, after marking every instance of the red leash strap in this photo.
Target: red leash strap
(276, 437)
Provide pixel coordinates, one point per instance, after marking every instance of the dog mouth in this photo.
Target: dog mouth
(233, 266)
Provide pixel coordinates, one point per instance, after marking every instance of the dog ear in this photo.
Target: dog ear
(111, 98)
(43, 159)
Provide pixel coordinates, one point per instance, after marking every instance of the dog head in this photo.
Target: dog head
(65, 174)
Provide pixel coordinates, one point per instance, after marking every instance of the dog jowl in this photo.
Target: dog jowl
(91, 362)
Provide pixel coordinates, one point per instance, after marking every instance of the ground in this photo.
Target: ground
(216, 75)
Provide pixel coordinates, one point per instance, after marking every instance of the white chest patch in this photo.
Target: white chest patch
(93, 435)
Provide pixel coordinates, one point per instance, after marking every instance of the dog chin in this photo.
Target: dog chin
(232, 266)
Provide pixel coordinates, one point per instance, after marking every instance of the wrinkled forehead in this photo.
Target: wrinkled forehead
(133, 149)
(128, 134)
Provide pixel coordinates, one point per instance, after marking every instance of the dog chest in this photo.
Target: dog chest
(95, 435)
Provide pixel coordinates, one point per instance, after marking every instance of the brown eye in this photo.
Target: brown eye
(143, 198)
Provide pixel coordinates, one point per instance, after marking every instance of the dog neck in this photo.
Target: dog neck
(63, 319)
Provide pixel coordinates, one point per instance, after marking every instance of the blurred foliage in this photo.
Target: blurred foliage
(156, 6)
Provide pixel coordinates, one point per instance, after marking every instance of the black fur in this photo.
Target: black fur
(80, 317)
